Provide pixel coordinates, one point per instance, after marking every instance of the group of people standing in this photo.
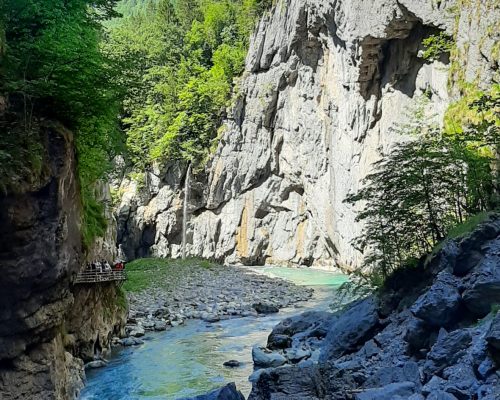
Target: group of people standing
(104, 266)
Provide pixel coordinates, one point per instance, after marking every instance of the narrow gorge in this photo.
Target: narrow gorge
(220, 149)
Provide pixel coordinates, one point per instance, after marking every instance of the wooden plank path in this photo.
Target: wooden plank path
(104, 276)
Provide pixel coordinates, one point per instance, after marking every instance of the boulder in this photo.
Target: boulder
(137, 331)
(408, 372)
(493, 334)
(210, 317)
(417, 334)
(264, 308)
(296, 382)
(351, 328)
(483, 290)
(389, 392)
(471, 248)
(160, 326)
(296, 354)
(131, 341)
(228, 392)
(447, 350)
(486, 368)
(440, 305)
(264, 358)
(440, 395)
(232, 364)
(278, 341)
(148, 325)
(309, 328)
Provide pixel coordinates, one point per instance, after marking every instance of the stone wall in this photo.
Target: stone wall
(324, 83)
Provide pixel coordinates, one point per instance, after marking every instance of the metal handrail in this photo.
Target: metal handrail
(98, 276)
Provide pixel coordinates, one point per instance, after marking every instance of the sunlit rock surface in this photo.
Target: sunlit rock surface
(324, 83)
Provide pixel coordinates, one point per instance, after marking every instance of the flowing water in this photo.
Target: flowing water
(187, 360)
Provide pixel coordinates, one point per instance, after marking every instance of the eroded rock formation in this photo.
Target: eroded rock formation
(48, 326)
(324, 83)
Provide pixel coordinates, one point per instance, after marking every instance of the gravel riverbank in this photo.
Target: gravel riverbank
(200, 290)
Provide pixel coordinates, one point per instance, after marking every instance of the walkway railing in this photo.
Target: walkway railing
(104, 276)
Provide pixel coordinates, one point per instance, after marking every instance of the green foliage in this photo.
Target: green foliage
(180, 59)
(145, 272)
(477, 112)
(436, 45)
(54, 67)
(121, 299)
(94, 222)
(468, 226)
(422, 189)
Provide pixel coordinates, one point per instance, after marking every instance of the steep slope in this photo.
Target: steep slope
(324, 83)
(438, 339)
(39, 254)
(49, 326)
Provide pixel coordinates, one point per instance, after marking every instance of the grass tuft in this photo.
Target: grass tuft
(146, 272)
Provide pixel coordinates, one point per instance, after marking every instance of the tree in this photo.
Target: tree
(423, 188)
(54, 67)
(180, 58)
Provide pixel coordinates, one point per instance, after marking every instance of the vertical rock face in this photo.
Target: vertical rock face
(325, 81)
(94, 318)
(39, 254)
(47, 325)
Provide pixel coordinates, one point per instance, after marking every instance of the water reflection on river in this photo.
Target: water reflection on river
(187, 360)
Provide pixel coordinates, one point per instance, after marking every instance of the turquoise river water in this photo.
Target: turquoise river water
(187, 360)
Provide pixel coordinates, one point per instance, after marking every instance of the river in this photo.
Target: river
(187, 360)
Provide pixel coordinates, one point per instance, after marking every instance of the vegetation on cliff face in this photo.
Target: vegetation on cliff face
(54, 67)
(164, 71)
(180, 59)
(424, 188)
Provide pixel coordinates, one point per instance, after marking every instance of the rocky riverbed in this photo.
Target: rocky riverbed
(433, 333)
(211, 293)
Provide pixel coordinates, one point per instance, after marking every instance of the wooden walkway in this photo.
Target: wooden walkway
(104, 276)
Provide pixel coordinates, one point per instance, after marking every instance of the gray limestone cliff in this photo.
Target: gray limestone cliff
(324, 83)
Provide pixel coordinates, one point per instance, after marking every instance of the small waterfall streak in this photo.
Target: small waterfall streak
(185, 211)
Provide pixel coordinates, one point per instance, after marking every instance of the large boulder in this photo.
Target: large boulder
(264, 358)
(297, 382)
(311, 324)
(493, 335)
(351, 329)
(393, 391)
(471, 248)
(264, 308)
(417, 334)
(408, 372)
(440, 305)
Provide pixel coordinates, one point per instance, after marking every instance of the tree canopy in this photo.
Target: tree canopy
(53, 66)
(180, 58)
